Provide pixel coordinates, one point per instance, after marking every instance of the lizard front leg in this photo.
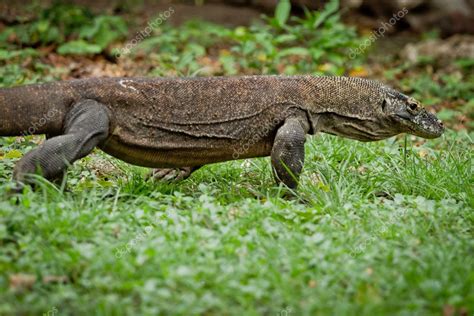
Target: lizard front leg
(61, 177)
(86, 126)
(288, 151)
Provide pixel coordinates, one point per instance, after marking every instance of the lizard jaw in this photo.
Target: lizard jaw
(424, 124)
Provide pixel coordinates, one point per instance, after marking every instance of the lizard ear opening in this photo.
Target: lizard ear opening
(384, 104)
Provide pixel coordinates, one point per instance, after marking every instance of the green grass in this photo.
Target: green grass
(375, 228)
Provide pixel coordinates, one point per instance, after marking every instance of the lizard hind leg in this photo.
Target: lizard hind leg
(172, 174)
(86, 126)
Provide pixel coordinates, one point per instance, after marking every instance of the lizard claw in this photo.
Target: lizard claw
(171, 174)
(15, 187)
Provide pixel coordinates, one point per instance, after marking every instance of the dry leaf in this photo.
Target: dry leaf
(22, 281)
(358, 72)
(13, 154)
(448, 310)
(423, 153)
(55, 279)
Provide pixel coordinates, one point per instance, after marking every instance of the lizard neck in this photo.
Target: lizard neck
(347, 107)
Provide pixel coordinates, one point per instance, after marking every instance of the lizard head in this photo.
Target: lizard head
(410, 116)
(367, 110)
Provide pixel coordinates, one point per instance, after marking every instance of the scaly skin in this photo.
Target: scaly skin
(189, 122)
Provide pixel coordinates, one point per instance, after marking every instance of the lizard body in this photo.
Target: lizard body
(189, 122)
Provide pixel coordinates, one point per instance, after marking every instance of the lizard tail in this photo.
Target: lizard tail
(32, 109)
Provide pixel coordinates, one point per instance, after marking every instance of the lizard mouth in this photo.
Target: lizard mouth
(425, 124)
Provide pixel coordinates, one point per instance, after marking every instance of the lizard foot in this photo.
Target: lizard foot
(171, 174)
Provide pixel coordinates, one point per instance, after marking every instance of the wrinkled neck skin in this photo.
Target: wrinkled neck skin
(348, 107)
(359, 129)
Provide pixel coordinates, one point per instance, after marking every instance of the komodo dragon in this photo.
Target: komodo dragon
(184, 123)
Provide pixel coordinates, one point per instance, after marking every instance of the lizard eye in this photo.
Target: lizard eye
(413, 107)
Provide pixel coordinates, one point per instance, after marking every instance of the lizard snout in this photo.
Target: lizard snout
(427, 125)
